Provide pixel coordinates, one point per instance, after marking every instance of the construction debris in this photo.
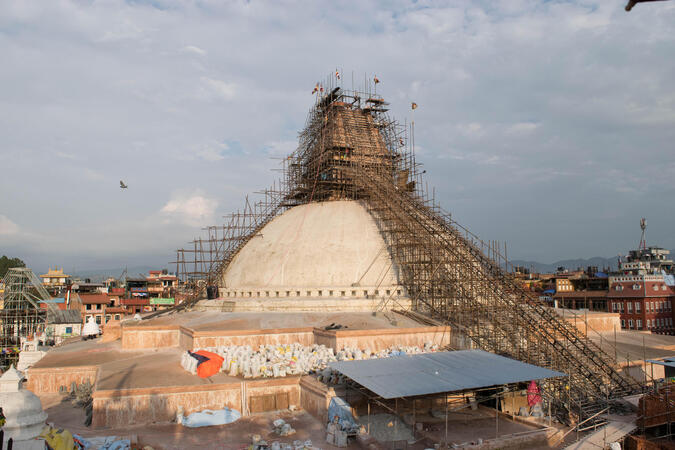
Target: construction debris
(274, 361)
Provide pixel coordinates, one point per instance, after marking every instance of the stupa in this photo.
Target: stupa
(23, 411)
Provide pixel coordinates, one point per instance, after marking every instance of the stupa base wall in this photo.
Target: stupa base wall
(49, 380)
(304, 304)
(124, 407)
(373, 339)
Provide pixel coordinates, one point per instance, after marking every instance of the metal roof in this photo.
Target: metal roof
(433, 373)
(670, 362)
(64, 316)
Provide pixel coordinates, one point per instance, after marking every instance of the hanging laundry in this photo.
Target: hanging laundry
(533, 396)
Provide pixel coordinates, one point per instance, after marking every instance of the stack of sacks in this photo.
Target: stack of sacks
(274, 361)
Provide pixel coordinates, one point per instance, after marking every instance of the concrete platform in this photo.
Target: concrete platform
(138, 379)
(212, 320)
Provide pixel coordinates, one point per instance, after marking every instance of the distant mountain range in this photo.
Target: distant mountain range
(571, 264)
(97, 275)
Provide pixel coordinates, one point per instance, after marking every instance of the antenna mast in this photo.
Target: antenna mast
(643, 227)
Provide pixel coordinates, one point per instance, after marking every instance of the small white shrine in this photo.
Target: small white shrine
(23, 412)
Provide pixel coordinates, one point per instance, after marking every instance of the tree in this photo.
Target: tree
(7, 263)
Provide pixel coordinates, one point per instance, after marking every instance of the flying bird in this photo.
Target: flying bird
(122, 185)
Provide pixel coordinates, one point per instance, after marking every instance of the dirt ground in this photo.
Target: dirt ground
(236, 435)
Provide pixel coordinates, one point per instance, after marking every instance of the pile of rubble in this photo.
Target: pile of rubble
(282, 429)
(273, 361)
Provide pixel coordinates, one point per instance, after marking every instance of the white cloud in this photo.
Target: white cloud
(7, 227)
(220, 88)
(212, 152)
(194, 50)
(66, 155)
(194, 209)
(92, 174)
(280, 148)
(522, 128)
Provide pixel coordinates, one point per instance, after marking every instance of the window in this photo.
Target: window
(649, 324)
(630, 307)
(663, 288)
(668, 305)
(636, 287)
(98, 306)
(117, 317)
(98, 320)
(619, 287)
(69, 330)
(621, 306)
(638, 306)
(88, 307)
(656, 287)
(615, 306)
(638, 324)
(630, 323)
(623, 323)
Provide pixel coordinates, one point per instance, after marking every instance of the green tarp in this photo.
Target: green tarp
(162, 301)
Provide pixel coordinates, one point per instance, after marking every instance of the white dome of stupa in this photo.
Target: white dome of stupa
(22, 409)
(320, 247)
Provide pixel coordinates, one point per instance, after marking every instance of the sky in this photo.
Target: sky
(548, 125)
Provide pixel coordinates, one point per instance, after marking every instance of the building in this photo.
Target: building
(87, 287)
(161, 284)
(647, 260)
(55, 280)
(645, 302)
(63, 324)
(95, 305)
(135, 305)
(137, 287)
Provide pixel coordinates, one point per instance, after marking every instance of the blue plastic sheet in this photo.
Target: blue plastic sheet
(209, 417)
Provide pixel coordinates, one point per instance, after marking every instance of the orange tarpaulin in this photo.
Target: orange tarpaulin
(210, 367)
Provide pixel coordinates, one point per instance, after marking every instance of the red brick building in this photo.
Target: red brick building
(644, 302)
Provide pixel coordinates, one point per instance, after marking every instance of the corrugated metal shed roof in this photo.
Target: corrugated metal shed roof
(64, 316)
(670, 362)
(432, 373)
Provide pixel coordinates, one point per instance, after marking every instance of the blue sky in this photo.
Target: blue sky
(548, 125)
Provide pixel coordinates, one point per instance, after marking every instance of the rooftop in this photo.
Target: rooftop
(434, 373)
(93, 299)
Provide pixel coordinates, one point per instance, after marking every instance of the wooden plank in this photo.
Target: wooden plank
(282, 400)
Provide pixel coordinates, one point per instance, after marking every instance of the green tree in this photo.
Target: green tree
(7, 263)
